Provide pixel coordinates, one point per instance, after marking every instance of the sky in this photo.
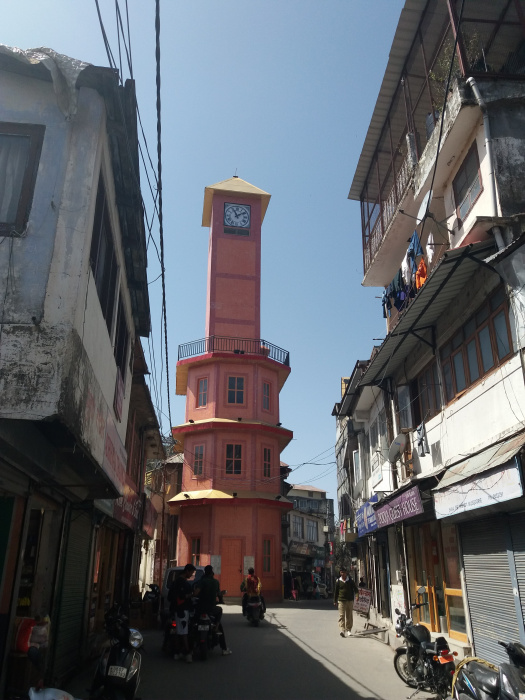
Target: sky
(279, 92)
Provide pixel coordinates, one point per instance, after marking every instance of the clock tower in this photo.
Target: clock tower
(230, 507)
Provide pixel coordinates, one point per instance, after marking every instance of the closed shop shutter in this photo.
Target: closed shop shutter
(70, 623)
(489, 586)
(517, 528)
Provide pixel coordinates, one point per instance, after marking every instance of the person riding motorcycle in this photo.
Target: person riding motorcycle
(251, 587)
(208, 592)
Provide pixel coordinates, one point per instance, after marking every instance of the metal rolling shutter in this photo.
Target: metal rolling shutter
(517, 528)
(70, 626)
(489, 586)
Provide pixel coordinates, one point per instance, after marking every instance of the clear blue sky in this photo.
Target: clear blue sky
(280, 92)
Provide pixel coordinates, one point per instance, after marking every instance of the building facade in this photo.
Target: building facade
(438, 410)
(231, 502)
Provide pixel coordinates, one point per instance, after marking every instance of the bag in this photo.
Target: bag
(23, 634)
(243, 586)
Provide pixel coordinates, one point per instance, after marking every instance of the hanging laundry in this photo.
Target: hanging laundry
(430, 247)
(422, 442)
(421, 274)
(406, 272)
(414, 251)
(386, 303)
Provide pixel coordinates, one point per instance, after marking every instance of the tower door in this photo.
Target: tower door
(231, 566)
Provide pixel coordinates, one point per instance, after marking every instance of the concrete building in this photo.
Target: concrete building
(231, 502)
(437, 411)
(76, 420)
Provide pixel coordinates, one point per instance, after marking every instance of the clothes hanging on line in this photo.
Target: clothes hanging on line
(421, 274)
(414, 251)
(421, 438)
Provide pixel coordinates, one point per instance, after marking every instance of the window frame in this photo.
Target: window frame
(196, 551)
(198, 460)
(298, 526)
(202, 395)
(267, 462)
(235, 390)
(35, 133)
(235, 469)
(267, 556)
(473, 150)
(461, 348)
(432, 391)
(312, 525)
(266, 394)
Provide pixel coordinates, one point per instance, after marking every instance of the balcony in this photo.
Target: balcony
(237, 346)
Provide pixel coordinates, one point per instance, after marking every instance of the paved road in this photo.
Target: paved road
(296, 652)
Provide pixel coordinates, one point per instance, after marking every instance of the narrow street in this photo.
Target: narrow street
(295, 652)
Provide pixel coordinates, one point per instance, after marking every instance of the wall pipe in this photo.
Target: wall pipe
(488, 148)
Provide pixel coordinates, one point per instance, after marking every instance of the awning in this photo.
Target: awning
(444, 284)
(196, 495)
(493, 456)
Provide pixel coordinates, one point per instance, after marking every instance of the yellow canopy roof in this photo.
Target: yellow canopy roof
(235, 185)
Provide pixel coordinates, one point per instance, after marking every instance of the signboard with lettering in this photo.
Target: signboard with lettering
(366, 517)
(406, 505)
(500, 485)
(362, 604)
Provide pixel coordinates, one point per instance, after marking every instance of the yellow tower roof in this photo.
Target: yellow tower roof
(234, 186)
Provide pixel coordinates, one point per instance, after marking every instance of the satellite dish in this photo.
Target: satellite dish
(423, 208)
(397, 446)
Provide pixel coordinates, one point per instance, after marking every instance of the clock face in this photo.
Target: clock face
(237, 215)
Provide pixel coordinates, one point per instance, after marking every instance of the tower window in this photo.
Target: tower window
(266, 396)
(236, 390)
(202, 394)
(267, 556)
(195, 551)
(267, 462)
(198, 460)
(233, 459)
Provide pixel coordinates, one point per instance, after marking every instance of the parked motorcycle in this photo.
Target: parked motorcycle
(152, 596)
(254, 610)
(484, 681)
(118, 671)
(423, 664)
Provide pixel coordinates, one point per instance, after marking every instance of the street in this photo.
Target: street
(295, 652)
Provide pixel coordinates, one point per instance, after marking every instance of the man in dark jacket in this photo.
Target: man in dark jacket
(344, 592)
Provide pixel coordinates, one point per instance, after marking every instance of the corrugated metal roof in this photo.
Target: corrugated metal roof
(407, 26)
(443, 286)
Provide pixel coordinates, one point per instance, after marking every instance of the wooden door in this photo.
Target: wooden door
(231, 566)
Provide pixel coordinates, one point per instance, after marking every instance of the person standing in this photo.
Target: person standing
(344, 593)
(362, 582)
(180, 599)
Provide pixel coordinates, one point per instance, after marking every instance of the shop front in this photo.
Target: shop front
(482, 503)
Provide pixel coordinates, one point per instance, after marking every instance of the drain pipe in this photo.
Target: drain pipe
(488, 148)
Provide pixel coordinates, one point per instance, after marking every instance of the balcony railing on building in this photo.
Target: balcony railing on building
(237, 346)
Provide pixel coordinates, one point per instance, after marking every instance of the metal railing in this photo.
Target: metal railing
(238, 346)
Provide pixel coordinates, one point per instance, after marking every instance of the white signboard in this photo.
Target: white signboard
(362, 604)
(249, 563)
(500, 485)
(397, 600)
(215, 561)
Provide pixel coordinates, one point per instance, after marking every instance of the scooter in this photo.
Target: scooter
(206, 629)
(118, 671)
(484, 681)
(423, 664)
(254, 610)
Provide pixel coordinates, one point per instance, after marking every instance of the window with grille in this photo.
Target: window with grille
(233, 459)
(236, 390)
(267, 462)
(481, 344)
(198, 460)
(467, 183)
(196, 551)
(202, 394)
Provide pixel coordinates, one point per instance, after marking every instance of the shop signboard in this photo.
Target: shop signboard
(397, 598)
(366, 517)
(500, 485)
(406, 505)
(362, 604)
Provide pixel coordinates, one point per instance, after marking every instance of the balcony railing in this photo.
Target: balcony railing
(389, 209)
(237, 346)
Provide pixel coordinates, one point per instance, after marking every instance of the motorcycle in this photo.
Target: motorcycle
(169, 644)
(206, 630)
(254, 610)
(423, 664)
(153, 595)
(118, 671)
(484, 681)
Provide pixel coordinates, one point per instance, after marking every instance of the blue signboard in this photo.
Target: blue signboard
(366, 517)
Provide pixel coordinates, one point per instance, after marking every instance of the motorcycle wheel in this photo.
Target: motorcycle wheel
(401, 667)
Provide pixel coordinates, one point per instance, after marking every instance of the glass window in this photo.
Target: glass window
(472, 357)
(298, 527)
(236, 390)
(233, 459)
(502, 336)
(198, 460)
(404, 405)
(202, 394)
(20, 148)
(487, 359)
(267, 462)
(428, 391)
(266, 396)
(459, 372)
(467, 183)
(312, 530)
